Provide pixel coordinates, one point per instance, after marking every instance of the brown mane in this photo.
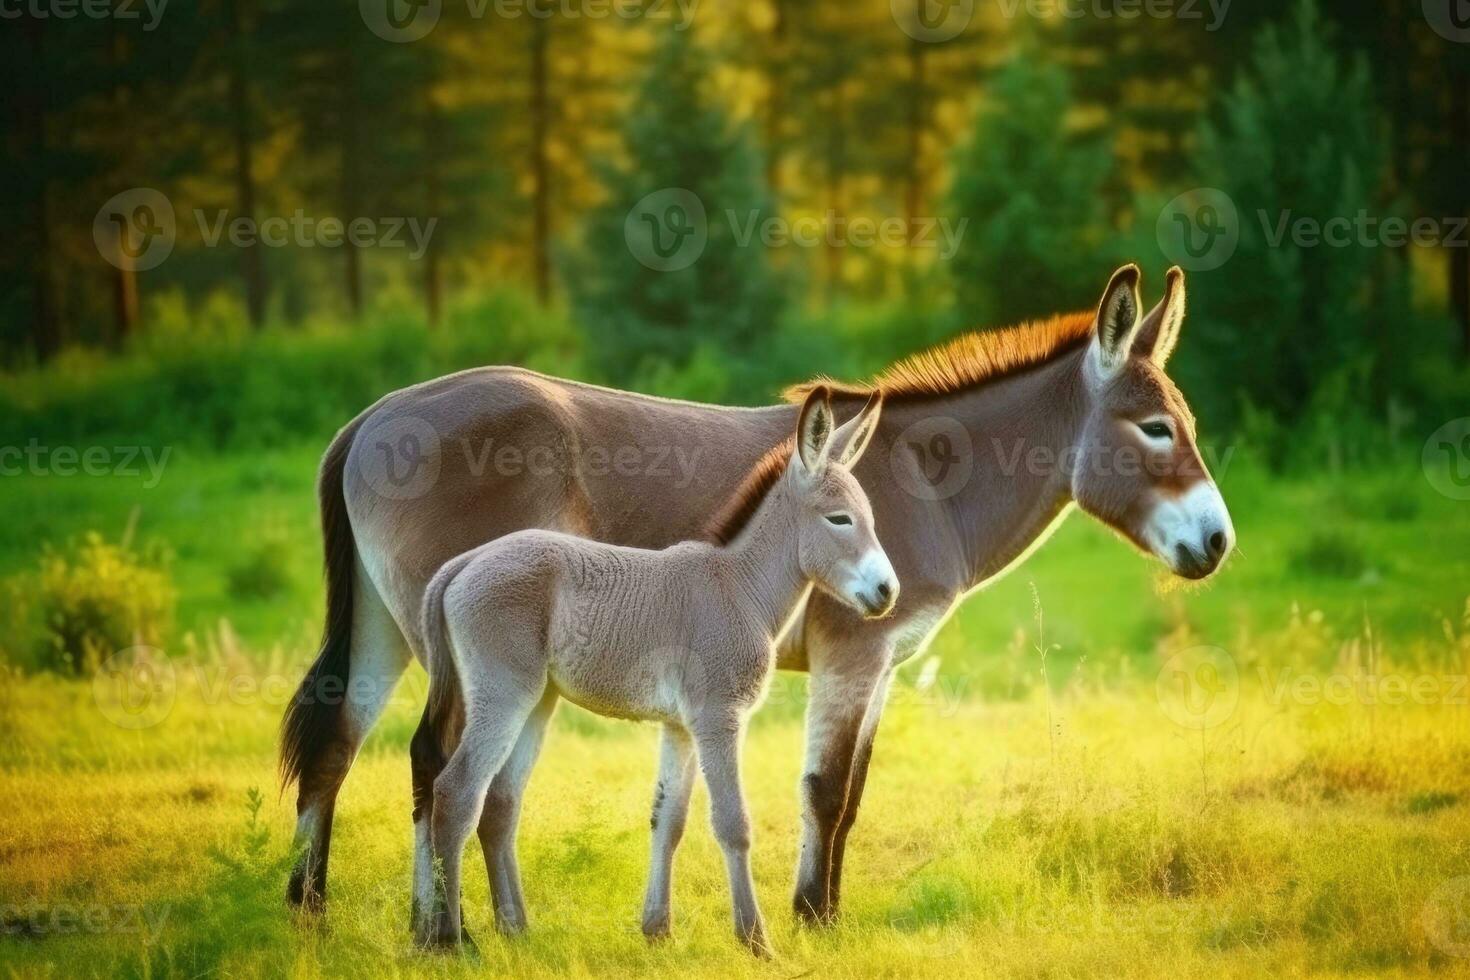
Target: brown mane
(731, 519)
(968, 360)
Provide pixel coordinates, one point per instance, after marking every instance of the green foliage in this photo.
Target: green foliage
(93, 600)
(1329, 554)
(1037, 238)
(264, 573)
(1292, 323)
(677, 139)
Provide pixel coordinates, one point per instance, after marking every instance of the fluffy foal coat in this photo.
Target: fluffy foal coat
(685, 636)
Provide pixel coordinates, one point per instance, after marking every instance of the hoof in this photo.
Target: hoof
(813, 914)
(511, 926)
(756, 942)
(657, 928)
(303, 896)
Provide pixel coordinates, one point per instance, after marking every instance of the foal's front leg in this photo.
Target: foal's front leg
(670, 810)
(719, 757)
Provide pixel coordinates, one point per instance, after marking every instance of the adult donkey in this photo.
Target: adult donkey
(985, 444)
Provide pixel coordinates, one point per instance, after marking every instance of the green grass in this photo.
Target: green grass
(1318, 827)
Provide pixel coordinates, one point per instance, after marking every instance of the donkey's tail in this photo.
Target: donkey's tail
(444, 693)
(313, 719)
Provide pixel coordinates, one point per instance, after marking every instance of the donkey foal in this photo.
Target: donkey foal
(684, 636)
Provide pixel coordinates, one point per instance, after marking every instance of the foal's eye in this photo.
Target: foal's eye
(841, 520)
(1156, 430)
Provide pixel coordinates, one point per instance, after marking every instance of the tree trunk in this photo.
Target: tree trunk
(252, 269)
(124, 280)
(351, 164)
(433, 283)
(913, 159)
(836, 178)
(30, 107)
(776, 97)
(540, 167)
(1458, 255)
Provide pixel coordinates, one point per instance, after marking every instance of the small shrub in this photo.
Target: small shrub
(1329, 554)
(94, 599)
(264, 573)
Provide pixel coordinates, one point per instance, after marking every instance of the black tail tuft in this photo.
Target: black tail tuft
(313, 720)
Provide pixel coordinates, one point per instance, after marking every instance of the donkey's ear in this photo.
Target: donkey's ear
(814, 429)
(1160, 329)
(853, 437)
(1117, 319)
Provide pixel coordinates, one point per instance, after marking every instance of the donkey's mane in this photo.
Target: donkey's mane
(968, 360)
(732, 518)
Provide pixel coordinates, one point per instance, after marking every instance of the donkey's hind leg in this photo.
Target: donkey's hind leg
(495, 712)
(501, 815)
(670, 811)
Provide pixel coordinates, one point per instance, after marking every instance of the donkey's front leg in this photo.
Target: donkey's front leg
(840, 700)
(719, 758)
(670, 810)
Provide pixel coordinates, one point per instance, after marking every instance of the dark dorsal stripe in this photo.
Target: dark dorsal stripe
(732, 518)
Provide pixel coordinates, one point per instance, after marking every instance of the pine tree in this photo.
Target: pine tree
(1032, 195)
(1298, 138)
(683, 156)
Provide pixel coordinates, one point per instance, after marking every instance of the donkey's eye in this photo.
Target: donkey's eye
(841, 520)
(1156, 430)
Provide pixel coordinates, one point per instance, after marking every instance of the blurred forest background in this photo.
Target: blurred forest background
(528, 130)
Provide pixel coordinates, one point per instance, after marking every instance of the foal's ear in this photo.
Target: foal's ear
(814, 429)
(1160, 329)
(1117, 319)
(855, 434)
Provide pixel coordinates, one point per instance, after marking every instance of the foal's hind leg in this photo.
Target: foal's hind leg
(501, 815)
(496, 711)
(670, 810)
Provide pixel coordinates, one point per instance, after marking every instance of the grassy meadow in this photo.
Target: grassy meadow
(1270, 773)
